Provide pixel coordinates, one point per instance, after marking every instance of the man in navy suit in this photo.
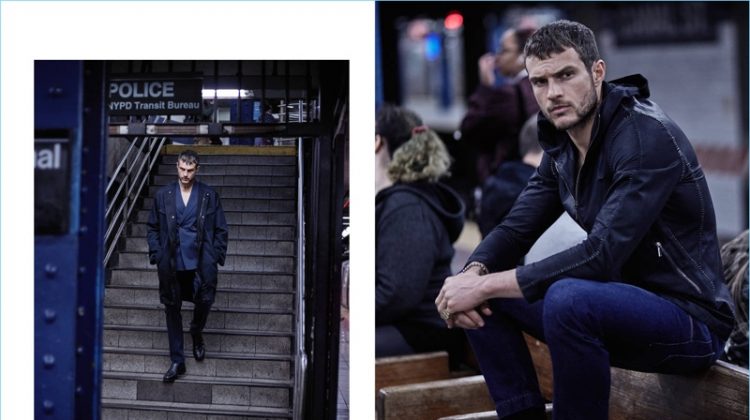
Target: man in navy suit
(187, 238)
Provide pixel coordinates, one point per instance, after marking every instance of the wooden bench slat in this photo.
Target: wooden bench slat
(490, 415)
(435, 399)
(720, 392)
(402, 370)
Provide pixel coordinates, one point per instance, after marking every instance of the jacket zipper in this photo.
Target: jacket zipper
(660, 250)
(578, 179)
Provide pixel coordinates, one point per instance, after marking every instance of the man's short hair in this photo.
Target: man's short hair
(189, 157)
(555, 37)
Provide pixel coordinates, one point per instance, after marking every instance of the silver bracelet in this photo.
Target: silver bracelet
(482, 268)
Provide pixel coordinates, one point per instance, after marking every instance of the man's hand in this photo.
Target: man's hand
(461, 300)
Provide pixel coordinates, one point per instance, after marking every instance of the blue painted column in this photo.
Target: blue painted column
(69, 198)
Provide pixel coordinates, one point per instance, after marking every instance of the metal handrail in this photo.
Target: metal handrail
(300, 360)
(123, 162)
(130, 187)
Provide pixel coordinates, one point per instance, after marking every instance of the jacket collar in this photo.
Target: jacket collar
(558, 144)
(171, 206)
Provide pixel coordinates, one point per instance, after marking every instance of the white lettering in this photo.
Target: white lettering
(149, 106)
(183, 105)
(125, 90)
(120, 105)
(48, 158)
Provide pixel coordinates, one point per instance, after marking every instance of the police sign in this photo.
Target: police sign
(155, 97)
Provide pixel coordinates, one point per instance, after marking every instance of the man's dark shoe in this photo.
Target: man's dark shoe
(199, 347)
(174, 370)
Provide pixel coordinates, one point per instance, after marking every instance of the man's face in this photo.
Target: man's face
(564, 89)
(508, 56)
(186, 172)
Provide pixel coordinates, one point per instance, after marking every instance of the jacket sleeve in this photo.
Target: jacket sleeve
(406, 249)
(536, 208)
(153, 232)
(221, 233)
(644, 173)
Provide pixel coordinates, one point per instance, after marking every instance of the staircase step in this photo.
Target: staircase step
(156, 410)
(208, 160)
(233, 180)
(219, 318)
(227, 280)
(267, 247)
(244, 170)
(242, 232)
(240, 299)
(226, 340)
(246, 205)
(127, 386)
(263, 264)
(257, 193)
(232, 365)
(243, 218)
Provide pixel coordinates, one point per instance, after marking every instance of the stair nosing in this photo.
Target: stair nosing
(253, 273)
(219, 289)
(224, 355)
(212, 331)
(160, 307)
(215, 380)
(215, 409)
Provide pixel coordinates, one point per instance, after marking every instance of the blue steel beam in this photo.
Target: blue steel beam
(67, 266)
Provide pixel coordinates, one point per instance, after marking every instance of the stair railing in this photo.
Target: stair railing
(300, 359)
(131, 184)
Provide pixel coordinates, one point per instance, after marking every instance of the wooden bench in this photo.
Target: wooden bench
(411, 369)
(435, 399)
(720, 392)
(490, 415)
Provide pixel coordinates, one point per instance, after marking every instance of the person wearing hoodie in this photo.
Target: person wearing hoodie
(643, 291)
(417, 219)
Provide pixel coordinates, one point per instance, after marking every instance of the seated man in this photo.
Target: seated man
(643, 291)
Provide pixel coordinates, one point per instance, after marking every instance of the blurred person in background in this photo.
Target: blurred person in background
(497, 111)
(417, 219)
(645, 289)
(500, 190)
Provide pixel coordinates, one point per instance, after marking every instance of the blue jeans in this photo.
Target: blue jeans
(588, 327)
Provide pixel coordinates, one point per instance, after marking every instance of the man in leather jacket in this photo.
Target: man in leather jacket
(187, 238)
(643, 291)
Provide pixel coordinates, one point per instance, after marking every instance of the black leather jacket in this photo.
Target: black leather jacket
(643, 200)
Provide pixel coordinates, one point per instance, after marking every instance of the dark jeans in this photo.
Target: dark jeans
(588, 326)
(174, 318)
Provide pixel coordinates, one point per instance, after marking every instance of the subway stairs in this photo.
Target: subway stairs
(248, 372)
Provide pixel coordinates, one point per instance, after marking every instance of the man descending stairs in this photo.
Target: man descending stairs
(249, 366)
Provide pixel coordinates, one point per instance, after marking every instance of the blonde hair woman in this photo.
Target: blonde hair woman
(417, 220)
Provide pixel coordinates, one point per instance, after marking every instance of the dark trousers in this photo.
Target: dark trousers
(411, 338)
(174, 317)
(588, 326)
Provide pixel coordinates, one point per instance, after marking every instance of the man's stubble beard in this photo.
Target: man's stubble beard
(586, 113)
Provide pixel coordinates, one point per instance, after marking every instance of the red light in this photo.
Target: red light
(454, 20)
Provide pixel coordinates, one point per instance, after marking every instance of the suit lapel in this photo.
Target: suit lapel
(171, 208)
